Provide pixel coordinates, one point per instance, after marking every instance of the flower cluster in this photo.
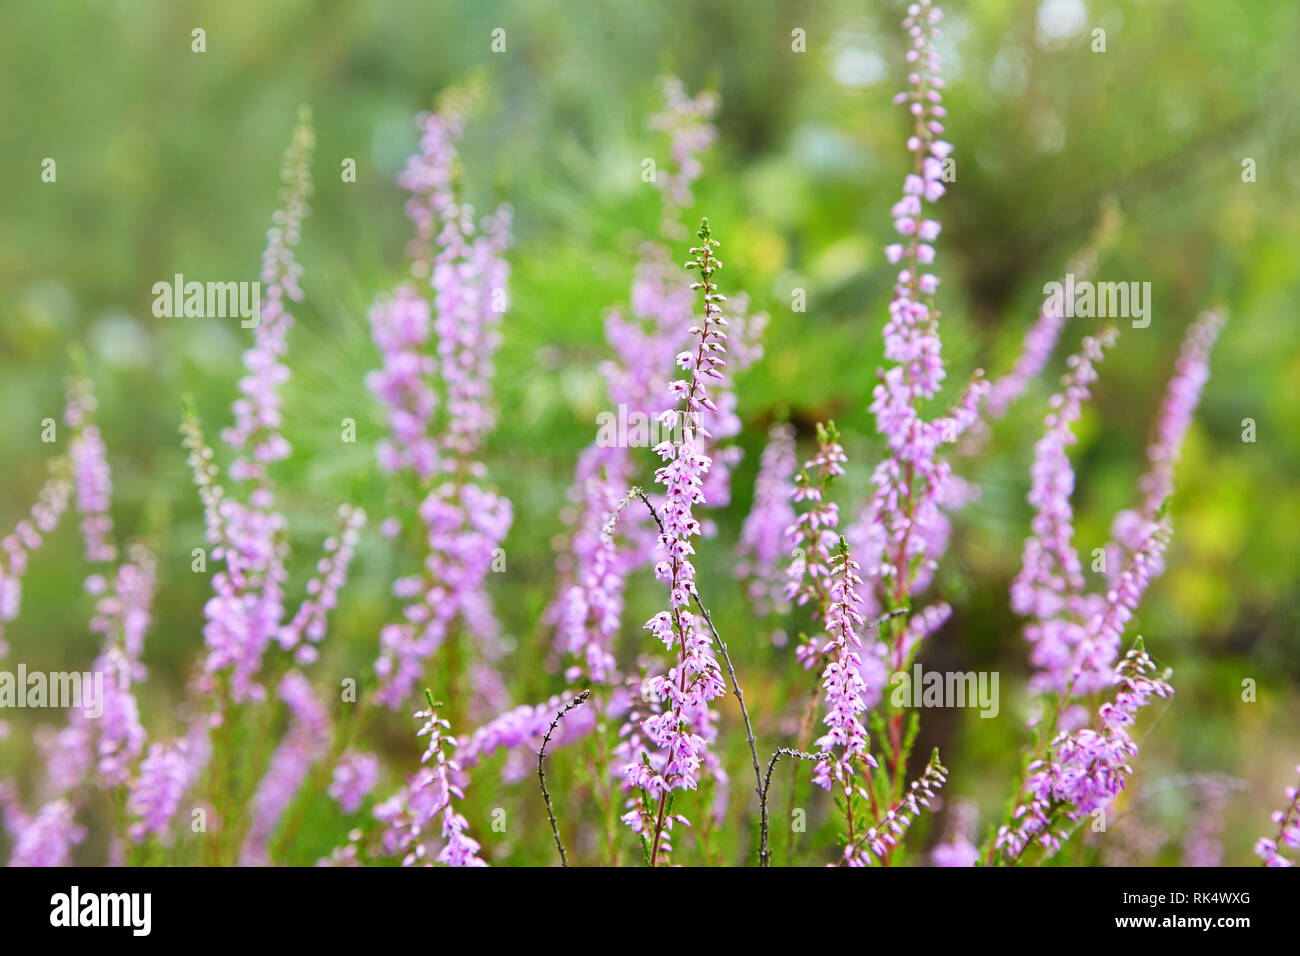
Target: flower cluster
(901, 533)
(679, 731)
(323, 590)
(846, 736)
(1077, 636)
(167, 772)
(256, 433)
(355, 776)
(1050, 584)
(523, 727)
(26, 537)
(1086, 768)
(304, 744)
(427, 796)
(685, 120)
(245, 612)
(1288, 831)
(463, 524)
(813, 537)
(762, 545)
(47, 838)
(90, 474)
(887, 833)
(645, 337)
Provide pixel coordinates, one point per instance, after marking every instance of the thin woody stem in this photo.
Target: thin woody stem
(764, 856)
(541, 775)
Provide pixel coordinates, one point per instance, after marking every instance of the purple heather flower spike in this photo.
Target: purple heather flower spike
(46, 839)
(51, 502)
(429, 795)
(166, 773)
(846, 735)
(247, 607)
(354, 777)
(762, 545)
(450, 345)
(1288, 831)
(322, 590)
(900, 535)
(1050, 585)
(686, 121)
(305, 743)
(91, 474)
(681, 724)
(647, 338)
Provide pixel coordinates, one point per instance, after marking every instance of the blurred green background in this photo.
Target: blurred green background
(168, 160)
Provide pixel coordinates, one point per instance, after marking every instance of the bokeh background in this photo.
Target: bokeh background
(168, 162)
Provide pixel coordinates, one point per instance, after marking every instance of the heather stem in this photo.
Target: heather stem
(541, 775)
(764, 855)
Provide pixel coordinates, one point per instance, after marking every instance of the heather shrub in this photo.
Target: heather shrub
(629, 696)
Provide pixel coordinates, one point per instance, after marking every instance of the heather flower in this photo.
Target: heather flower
(255, 434)
(1191, 372)
(166, 773)
(679, 732)
(400, 326)
(322, 590)
(26, 537)
(46, 839)
(122, 615)
(1085, 769)
(1050, 583)
(464, 527)
(305, 743)
(814, 533)
(1132, 527)
(523, 727)
(67, 754)
(887, 833)
(846, 736)
(686, 121)
(429, 795)
(355, 776)
(91, 475)
(1076, 636)
(247, 607)
(593, 566)
(763, 536)
(121, 735)
(645, 339)
(112, 741)
(901, 533)
(463, 524)
(1288, 831)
